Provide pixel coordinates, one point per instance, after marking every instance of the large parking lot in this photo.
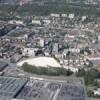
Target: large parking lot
(52, 90)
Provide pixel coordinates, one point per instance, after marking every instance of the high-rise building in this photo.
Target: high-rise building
(55, 48)
(41, 42)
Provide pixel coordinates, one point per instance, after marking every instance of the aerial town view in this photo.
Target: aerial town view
(49, 49)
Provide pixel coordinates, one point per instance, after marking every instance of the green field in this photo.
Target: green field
(46, 9)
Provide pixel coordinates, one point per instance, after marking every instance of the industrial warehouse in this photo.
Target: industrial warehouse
(10, 87)
(3, 66)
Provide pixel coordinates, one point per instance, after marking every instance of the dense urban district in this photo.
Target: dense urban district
(49, 49)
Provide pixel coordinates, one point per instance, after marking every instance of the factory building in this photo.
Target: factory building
(10, 87)
(3, 66)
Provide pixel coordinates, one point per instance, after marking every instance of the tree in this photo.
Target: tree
(89, 76)
(80, 73)
(52, 71)
(90, 93)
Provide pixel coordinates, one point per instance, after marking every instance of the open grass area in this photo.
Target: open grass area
(47, 8)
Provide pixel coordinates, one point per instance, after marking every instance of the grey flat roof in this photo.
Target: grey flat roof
(2, 65)
(10, 87)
